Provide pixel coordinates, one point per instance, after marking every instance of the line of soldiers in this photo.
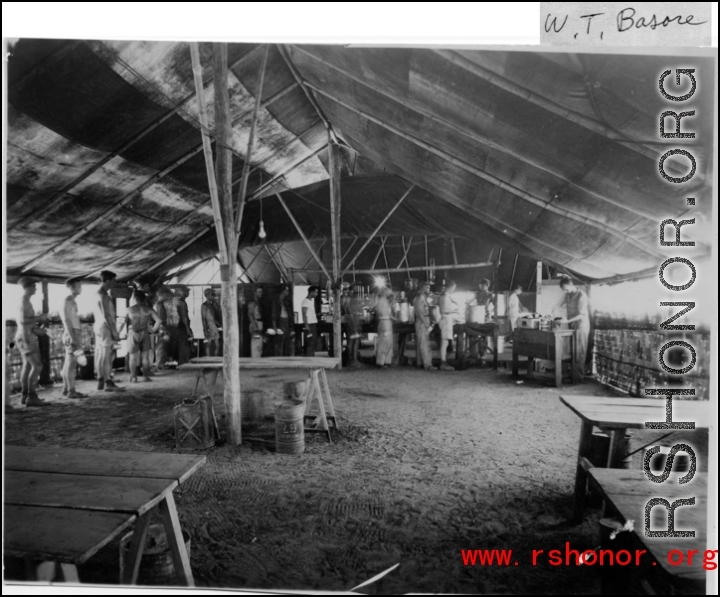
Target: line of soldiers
(158, 334)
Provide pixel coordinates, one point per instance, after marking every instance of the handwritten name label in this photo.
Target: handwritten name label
(625, 24)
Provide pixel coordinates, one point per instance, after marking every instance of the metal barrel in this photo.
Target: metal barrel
(289, 427)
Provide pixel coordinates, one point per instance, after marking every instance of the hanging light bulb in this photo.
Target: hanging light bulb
(261, 233)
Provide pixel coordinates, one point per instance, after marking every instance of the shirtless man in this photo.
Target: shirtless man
(26, 341)
(138, 338)
(72, 338)
(106, 334)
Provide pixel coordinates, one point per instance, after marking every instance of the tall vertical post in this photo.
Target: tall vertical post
(44, 341)
(335, 174)
(496, 283)
(538, 278)
(228, 270)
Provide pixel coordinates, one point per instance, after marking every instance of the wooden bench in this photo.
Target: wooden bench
(615, 416)
(62, 504)
(628, 491)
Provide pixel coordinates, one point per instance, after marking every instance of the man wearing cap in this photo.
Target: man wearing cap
(184, 333)
(282, 310)
(106, 334)
(208, 314)
(423, 325)
(26, 340)
(72, 338)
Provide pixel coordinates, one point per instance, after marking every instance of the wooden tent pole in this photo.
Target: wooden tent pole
(251, 143)
(385, 219)
(278, 262)
(228, 242)
(352, 244)
(305, 238)
(406, 250)
(387, 265)
(335, 204)
(383, 239)
(207, 149)
(512, 277)
(454, 252)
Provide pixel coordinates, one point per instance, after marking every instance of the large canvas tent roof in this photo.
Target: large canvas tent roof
(543, 155)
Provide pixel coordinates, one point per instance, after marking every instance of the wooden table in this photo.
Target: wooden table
(629, 491)
(555, 346)
(615, 416)
(465, 331)
(210, 367)
(62, 505)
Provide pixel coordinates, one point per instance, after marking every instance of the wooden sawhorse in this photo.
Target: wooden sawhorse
(317, 387)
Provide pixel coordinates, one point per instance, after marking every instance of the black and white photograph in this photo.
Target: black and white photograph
(382, 318)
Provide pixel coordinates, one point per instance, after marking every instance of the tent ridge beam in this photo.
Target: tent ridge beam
(497, 181)
(479, 138)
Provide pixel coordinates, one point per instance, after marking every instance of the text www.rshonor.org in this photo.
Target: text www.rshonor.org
(590, 557)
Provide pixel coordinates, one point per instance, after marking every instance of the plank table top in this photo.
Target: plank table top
(64, 504)
(247, 363)
(630, 490)
(633, 413)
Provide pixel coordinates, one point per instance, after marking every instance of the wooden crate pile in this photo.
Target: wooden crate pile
(628, 359)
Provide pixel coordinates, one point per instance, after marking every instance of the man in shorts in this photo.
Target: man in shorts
(72, 338)
(106, 334)
(26, 340)
(183, 333)
(139, 333)
(208, 314)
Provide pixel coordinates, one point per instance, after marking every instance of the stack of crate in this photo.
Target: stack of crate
(629, 359)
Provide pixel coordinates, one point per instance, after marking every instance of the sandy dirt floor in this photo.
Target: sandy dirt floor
(425, 464)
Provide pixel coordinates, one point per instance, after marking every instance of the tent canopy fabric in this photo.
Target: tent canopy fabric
(545, 155)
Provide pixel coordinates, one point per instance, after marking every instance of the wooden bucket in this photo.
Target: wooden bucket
(156, 564)
(289, 427)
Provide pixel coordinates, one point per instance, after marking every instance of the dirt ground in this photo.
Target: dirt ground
(425, 464)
